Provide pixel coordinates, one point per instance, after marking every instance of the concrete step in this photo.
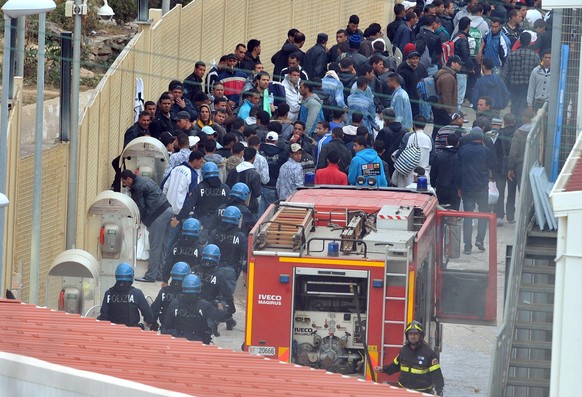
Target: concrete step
(538, 364)
(536, 307)
(529, 382)
(531, 344)
(533, 326)
(538, 269)
(539, 288)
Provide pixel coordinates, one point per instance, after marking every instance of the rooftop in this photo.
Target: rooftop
(165, 362)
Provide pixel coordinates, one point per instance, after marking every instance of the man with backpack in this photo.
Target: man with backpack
(446, 87)
(463, 51)
(429, 45)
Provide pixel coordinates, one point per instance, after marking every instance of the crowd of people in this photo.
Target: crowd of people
(350, 112)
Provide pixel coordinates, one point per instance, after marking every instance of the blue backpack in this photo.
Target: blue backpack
(427, 90)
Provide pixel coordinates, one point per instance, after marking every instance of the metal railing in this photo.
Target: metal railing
(534, 152)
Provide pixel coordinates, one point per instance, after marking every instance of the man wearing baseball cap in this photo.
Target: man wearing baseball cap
(290, 174)
(446, 87)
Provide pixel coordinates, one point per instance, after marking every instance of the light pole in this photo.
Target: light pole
(15, 9)
(77, 9)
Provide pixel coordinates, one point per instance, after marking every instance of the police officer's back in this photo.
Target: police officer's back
(214, 285)
(123, 303)
(188, 316)
(233, 243)
(238, 198)
(169, 292)
(207, 196)
(418, 364)
(187, 248)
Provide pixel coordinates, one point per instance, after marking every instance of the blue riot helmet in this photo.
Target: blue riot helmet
(191, 227)
(179, 271)
(210, 255)
(124, 272)
(231, 215)
(240, 190)
(209, 170)
(191, 284)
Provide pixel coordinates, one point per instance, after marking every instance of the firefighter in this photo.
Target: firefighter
(239, 195)
(214, 287)
(169, 292)
(418, 364)
(205, 199)
(123, 303)
(187, 317)
(186, 249)
(233, 246)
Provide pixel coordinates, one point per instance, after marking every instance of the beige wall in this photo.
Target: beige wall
(165, 50)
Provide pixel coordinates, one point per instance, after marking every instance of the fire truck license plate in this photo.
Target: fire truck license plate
(262, 350)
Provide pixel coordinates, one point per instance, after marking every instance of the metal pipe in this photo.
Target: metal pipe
(557, 15)
(20, 42)
(74, 142)
(65, 87)
(165, 7)
(37, 185)
(142, 11)
(13, 44)
(4, 141)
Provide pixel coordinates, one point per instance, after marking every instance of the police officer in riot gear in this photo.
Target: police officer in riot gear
(238, 198)
(187, 317)
(233, 244)
(205, 199)
(214, 287)
(187, 248)
(169, 292)
(418, 364)
(123, 303)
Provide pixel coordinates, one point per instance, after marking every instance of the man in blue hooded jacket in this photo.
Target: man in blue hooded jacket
(366, 163)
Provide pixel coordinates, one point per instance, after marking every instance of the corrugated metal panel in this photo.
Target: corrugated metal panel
(190, 43)
(213, 21)
(53, 213)
(165, 362)
(235, 27)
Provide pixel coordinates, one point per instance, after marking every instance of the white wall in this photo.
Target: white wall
(25, 376)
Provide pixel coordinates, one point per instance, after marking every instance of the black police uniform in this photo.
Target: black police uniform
(188, 316)
(165, 296)
(233, 244)
(248, 218)
(419, 368)
(123, 303)
(186, 249)
(207, 196)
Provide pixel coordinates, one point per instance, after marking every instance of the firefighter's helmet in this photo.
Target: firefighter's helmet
(231, 215)
(124, 272)
(191, 227)
(209, 170)
(179, 271)
(211, 254)
(415, 326)
(240, 190)
(191, 284)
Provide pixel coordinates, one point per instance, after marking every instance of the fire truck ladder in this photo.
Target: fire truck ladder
(287, 228)
(396, 296)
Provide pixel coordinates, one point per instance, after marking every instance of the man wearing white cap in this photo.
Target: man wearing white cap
(276, 157)
(291, 174)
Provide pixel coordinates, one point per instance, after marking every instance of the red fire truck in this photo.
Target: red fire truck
(335, 274)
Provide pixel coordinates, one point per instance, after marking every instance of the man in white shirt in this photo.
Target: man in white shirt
(179, 184)
(421, 140)
(292, 96)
